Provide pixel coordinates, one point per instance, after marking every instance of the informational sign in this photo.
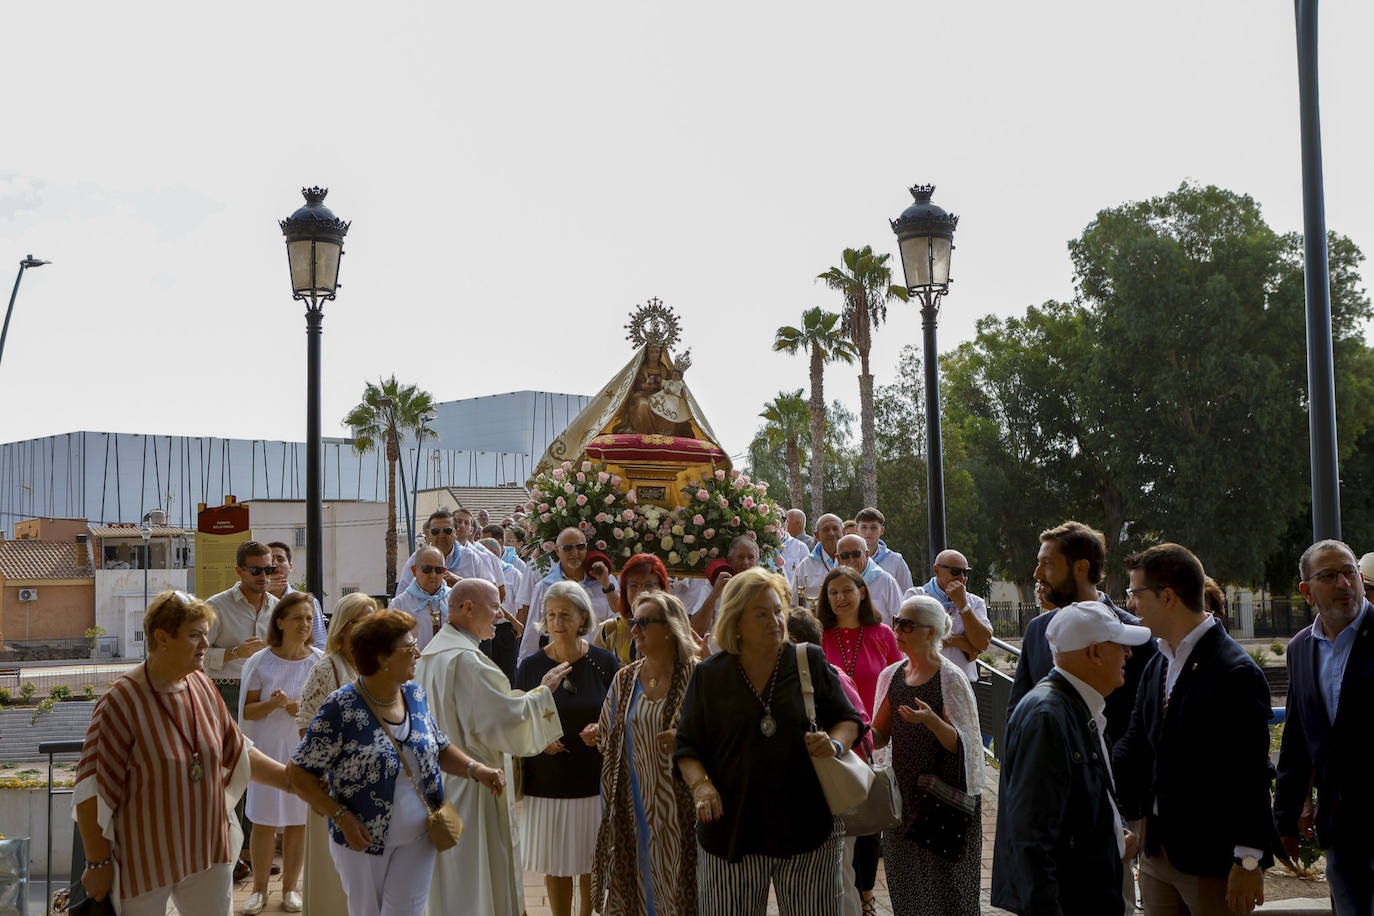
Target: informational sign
(219, 532)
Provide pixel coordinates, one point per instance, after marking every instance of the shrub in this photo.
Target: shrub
(42, 709)
(88, 692)
(1276, 648)
(1260, 656)
(61, 692)
(987, 659)
(27, 690)
(5, 696)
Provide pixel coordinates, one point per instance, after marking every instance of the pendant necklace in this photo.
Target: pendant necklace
(380, 705)
(195, 771)
(768, 725)
(849, 661)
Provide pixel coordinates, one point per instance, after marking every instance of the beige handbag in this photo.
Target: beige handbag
(846, 779)
(444, 824)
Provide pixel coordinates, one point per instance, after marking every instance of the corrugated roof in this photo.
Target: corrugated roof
(132, 531)
(41, 560)
(498, 501)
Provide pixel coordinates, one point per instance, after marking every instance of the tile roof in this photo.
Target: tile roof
(498, 501)
(131, 531)
(41, 560)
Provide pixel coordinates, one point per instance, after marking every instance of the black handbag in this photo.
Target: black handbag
(939, 817)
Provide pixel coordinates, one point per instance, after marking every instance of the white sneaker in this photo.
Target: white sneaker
(291, 901)
(254, 904)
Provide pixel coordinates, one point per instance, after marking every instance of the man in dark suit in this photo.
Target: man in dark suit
(1326, 737)
(1202, 708)
(1068, 568)
(1060, 840)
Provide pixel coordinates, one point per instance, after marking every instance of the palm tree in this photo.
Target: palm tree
(821, 337)
(865, 281)
(786, 417)
(387, 411)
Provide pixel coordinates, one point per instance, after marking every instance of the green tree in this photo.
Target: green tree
(786, 423)
(821, 338)
(865, 281)
(387, 411)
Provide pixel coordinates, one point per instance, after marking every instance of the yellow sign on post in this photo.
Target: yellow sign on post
(219, 532)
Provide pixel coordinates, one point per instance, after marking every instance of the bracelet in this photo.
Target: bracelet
(704, 779)
(471, 763)
(607, 591)
(339, 812)
(101, 864)
(839, 748)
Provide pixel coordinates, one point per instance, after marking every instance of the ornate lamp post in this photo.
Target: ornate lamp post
(314, 245)
(30, 261)
(925, 235)
(147, 534)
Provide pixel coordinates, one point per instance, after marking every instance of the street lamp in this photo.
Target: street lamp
(415, 490)
(925, 235)
(30, 261)
(314, 246)
(147, 534)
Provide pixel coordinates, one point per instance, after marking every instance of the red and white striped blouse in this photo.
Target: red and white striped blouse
(166, 827)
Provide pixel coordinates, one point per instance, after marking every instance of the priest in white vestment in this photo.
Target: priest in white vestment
(474, 704)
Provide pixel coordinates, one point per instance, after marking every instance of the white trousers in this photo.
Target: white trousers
(395, 883)
(210, 892)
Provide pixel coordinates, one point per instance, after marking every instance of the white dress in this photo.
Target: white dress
(275, 734)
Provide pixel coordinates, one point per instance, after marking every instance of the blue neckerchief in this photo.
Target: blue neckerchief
(455, 556)
(871, 572)
(938, 593)
(818, 553)
(556, 575)
(881, 552)
(509, 555)
(414, 590)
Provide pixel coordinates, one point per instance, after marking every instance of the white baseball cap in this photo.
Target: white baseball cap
(1079, 625)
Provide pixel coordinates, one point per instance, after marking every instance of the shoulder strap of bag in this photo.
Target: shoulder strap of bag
(394, 743)
(808, 690)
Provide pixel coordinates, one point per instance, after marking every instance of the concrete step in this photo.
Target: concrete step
(19, 740)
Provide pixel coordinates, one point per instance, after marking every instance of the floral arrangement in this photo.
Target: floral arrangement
(717, 508)
(586, 497)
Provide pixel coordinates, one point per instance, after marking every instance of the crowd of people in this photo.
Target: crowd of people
(663, 737)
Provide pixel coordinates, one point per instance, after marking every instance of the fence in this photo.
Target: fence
(41, 650)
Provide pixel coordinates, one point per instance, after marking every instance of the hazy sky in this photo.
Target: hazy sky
(520, 176)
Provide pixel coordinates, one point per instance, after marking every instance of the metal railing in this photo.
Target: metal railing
(54, 749)
(992, 691)
(75, 648)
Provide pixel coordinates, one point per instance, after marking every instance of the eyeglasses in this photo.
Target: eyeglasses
(260, 570)
(569, 548)
(438, 531)
(1132, 592)
(642, 623)
(849, 555)
(1329, 576)
(411, 647)
(958, 572)
(431, 570)
(903, 625)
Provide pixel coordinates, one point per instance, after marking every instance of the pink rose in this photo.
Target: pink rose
(584, 525)
(610, 498)
(602, 477)
(567, 466)
(770, 528)
(689, 539)
(703, 495)
(569, 489)
(632, 496)
(752, 534)
(581, 478)
(724, 503)
(698, 519)
(548, 546)
(748, 502)
(544, 517)
(709, 533)
(581, 499)
(739, 483)
(720, 474)
(600, 545)
(601, 517)
(586, 465)
(765, 509)
(543, 507)
(734, 522)
(734, 473)
(618, 533)
(529, 506)
(615, 480)
(714, 551)
(628, 515)
(648, 535)
(558, 474)
(761, 488)
(560, 502)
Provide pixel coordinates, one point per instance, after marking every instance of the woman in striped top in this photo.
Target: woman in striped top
(162, 768)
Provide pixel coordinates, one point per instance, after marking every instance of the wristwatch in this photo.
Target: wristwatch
(608, 590)
(1249, 863)
(839, 748)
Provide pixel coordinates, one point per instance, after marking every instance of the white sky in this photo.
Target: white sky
(520, 176)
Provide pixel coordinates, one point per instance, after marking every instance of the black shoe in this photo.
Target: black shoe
(276, 869)
(242, 870)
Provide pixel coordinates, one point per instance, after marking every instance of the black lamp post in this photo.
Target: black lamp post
(30, 261)
(925, 235)
(314, 245)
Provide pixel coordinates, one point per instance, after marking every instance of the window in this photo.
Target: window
(138, 636)
(300, 538)
(348, 589)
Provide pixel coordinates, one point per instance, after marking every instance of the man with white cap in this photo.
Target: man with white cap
(1367, 573)
(1061, 842)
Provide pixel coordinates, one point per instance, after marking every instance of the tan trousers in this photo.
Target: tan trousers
(1166, 891)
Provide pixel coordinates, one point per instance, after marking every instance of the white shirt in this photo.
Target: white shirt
(1179, 657)
(810, 573)
(977, 606)
(790, 555)
(1096, 704)
(885, 594)
(235, 621)
(466, 561)
(691, 592)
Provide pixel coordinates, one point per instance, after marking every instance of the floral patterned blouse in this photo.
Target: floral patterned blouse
(346, 744)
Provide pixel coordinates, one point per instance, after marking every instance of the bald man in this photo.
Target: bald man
(806, 581)
(425, 596)
(970, 632)
(795, 523)
(883, 591)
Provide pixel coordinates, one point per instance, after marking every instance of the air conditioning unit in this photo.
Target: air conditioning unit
(28, 594)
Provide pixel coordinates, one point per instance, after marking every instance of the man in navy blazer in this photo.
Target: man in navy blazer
(1060, 840)
(1326, 734)
(1068, 568)
(1202, 709)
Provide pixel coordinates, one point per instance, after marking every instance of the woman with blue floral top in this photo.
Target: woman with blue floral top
(381, 845)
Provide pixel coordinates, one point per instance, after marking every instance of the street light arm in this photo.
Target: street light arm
(4, 332)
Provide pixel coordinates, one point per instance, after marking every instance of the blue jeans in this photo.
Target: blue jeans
(1350, 877)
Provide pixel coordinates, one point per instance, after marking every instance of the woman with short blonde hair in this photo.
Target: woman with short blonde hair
(741, 592)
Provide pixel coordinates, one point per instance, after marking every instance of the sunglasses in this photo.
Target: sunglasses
(439, 531)
(958, 572)
(849, 555)
(260, 570)
(642, 623)
(569, 548)
(903, 625)
(430, 570)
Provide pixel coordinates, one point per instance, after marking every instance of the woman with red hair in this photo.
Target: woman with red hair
(641, 573)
